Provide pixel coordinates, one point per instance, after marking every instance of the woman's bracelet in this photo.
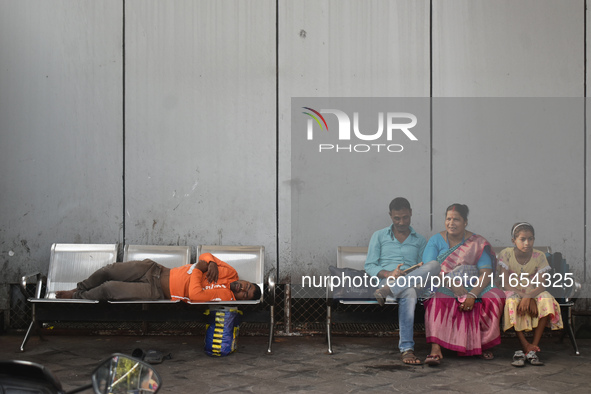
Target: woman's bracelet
(472, 294)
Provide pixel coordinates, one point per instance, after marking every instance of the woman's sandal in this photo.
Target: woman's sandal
(518, 359)
(533, 359)
(409, 358)
(433, 360)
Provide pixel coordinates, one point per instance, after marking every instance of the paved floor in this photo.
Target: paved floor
(299, 364)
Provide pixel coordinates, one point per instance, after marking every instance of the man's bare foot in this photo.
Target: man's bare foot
(67, 294)
(382, 294)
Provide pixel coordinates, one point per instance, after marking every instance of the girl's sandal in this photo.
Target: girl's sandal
(533, 359)
(518, 359)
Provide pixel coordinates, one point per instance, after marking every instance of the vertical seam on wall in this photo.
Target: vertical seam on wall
(585, 142)
(277, 137)
(431, 115)
(123, 117)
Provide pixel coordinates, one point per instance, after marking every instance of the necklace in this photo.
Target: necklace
(521, 260)
(447, 239)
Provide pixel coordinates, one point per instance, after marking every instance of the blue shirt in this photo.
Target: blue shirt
(437, 245)
(385, 252)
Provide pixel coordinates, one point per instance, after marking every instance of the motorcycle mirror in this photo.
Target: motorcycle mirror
(25, 376)
(123, 374)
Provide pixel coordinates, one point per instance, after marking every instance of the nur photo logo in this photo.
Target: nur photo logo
(390, 126)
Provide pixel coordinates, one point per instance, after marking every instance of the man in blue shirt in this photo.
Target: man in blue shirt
(392, 251)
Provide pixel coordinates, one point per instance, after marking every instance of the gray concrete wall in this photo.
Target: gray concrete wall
(200, 123)
(60, 129)
(526, 161)
(188, 131)
(348, 49)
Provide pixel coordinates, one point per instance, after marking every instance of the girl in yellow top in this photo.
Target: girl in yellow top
(528, 305)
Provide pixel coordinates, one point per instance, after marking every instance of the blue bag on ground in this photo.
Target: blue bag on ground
(221, 336)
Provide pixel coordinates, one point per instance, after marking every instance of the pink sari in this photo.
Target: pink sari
(470, 332)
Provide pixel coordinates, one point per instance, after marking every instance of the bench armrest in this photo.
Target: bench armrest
(39, 279)
(271, 283)
(329, 292)
(574, 292)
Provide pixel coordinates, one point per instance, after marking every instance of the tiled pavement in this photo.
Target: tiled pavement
(299, 364)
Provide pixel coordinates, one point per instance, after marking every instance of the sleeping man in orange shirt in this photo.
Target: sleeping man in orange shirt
(210, 279)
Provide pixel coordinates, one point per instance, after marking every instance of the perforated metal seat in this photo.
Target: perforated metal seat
(68, 265)
(248, 261)
(167, 256)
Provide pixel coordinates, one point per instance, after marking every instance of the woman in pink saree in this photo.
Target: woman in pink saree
(465, 312)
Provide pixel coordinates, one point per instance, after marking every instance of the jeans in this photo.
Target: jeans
(132, 280)
(405, 291)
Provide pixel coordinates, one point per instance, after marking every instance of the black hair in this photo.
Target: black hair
(462, 209)
(522, 226)
(257, 292)
(399, 203)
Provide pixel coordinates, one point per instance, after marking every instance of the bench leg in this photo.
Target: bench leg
(328, 324)
(145, 312)
(568, 326)
(271, 328)
(32, 326)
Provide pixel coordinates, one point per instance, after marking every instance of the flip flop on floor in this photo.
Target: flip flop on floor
(156, 357)
(138, 353)
(518, 359)
(150, 356)
(409, 358)
(433, 360)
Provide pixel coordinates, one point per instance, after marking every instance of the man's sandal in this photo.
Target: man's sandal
(533, 359)
(518, 359)
(409, 358)
(433, 360)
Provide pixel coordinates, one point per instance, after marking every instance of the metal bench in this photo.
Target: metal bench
(348, 257)
(354, 257)
(68, 264)
(71, 263)
(248, 261)
(565, 296)
(167, 256)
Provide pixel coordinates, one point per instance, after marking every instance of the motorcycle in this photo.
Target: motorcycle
(119, 374)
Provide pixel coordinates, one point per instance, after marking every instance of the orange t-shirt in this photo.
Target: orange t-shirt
(189, 284)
